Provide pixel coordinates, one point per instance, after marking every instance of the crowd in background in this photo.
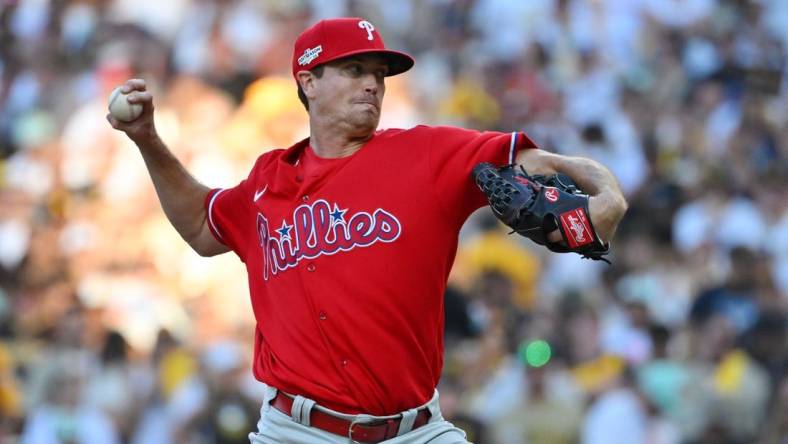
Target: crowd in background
(113, 331)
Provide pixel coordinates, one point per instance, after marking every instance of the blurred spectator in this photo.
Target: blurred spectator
(543, 416)
(229, 415)
(459, 324)
(664, 383)
(116, 389)
(617, 415)
(735, 300)
(492, 250)
(180, 396)
(733, 389)
(450, 399)
(63, 419)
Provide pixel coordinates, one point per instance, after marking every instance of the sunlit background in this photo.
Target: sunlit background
(113, 331)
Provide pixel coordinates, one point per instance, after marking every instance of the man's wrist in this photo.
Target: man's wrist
(148, 141)
(605, 211)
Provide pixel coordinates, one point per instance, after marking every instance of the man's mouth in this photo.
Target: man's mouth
(368, 102)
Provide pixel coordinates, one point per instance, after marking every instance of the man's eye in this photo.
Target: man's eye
(354, 69)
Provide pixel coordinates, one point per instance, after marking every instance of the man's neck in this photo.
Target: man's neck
(330, 142)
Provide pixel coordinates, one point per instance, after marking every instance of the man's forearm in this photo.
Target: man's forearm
(606, 203)
(180, 194)
(591, 176)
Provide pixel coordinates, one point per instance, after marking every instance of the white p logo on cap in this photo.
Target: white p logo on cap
(368, 26)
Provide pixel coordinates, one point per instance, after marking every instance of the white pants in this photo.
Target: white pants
(276, 427)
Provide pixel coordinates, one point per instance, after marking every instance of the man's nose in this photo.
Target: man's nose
(370, 83)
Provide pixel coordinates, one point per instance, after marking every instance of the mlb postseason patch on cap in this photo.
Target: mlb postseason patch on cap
(309, 55)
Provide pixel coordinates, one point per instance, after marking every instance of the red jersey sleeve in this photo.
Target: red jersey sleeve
(230, 210)
(225, 209)
(453, 154)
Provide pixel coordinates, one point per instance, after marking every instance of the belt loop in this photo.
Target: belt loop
(434, 406)
(306, 411)
(269, 393)
(406, 424)
(302, 407)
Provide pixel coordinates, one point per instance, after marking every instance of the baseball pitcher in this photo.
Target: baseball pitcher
(348, 237)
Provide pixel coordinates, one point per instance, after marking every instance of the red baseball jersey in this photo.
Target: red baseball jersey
(348, 260)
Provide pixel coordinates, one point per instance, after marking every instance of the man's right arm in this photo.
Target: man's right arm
(181, 196)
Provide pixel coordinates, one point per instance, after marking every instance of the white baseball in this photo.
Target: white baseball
(121, 109)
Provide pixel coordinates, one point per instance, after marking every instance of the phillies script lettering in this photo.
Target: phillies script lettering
(319, 229)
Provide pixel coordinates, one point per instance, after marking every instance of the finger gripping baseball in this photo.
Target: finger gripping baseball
(534, 206)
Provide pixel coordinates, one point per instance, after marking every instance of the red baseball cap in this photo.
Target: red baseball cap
(333, 39)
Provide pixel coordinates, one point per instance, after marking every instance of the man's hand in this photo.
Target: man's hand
(140, 130)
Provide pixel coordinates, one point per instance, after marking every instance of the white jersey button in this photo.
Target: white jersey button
(323, 316)
(310, 267)
(305, 198)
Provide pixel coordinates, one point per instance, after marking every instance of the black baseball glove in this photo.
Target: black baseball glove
(534, 206)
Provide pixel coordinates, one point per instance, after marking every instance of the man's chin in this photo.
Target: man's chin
(367, 122)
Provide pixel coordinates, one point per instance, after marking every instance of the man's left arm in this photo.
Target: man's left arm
(606, 203)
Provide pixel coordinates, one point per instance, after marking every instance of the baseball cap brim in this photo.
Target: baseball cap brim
(397, 62)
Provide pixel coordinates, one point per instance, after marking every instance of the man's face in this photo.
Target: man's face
(350, 92)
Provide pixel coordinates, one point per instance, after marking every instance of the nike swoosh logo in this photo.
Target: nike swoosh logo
(259, 194)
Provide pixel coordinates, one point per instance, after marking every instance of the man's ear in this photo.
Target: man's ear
(307, 81)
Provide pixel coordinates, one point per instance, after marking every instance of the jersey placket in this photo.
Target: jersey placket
(309, 276)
